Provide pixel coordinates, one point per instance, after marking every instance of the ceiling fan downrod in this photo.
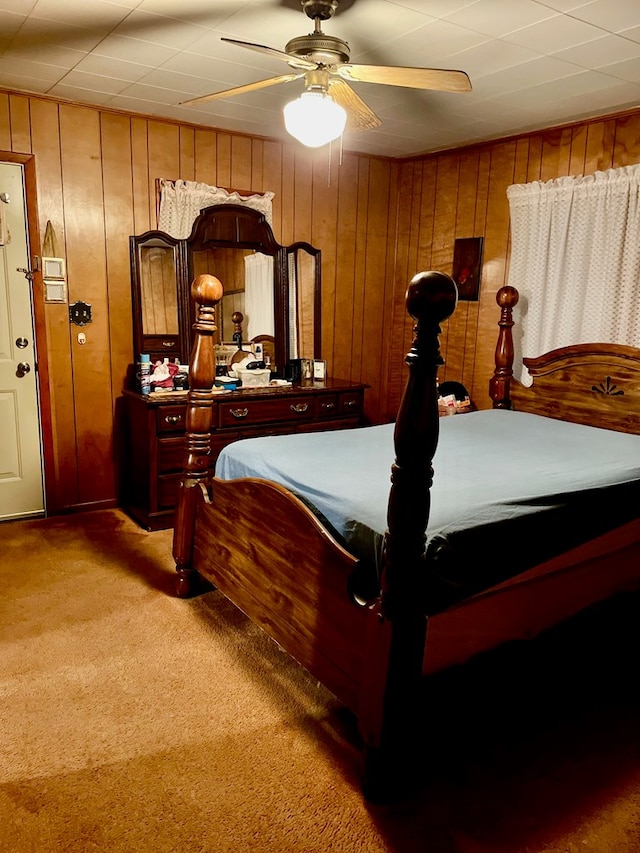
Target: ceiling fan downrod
(318, 47)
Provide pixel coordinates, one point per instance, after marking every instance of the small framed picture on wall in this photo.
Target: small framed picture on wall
(467, 267)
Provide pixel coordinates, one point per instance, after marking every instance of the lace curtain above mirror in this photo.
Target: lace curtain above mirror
(182, 201)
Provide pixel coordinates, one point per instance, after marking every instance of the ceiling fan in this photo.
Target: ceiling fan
(323, 61)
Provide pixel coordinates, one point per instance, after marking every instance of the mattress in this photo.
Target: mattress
(511, 487)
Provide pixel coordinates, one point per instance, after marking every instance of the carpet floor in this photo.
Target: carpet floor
(134, 721)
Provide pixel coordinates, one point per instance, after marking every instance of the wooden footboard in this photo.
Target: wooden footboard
(261, 546)
(264, 550)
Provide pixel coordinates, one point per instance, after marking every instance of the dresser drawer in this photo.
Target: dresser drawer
(350, 403)
(168, 490)
(272, 429)
(326, 424)
(249, 412)
(172, 418)
(327, 406)
(171, 454)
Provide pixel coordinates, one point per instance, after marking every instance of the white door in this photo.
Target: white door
(21, 468)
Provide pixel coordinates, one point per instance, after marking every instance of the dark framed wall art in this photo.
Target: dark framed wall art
(467, 267)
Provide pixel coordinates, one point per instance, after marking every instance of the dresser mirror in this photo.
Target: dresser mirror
(276, 288)
(160, 310)
(304, 330)
(229, 265)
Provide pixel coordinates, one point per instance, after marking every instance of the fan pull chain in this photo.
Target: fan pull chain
(329, 163)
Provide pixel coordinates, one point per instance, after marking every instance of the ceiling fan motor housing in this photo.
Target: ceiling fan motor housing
(317, 47)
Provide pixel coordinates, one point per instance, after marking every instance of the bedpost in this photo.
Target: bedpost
(397, 624)
(206, 291)
(500, 382)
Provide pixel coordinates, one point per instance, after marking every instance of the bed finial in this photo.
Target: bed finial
(500, 383)
(431, 295)
(206, 292)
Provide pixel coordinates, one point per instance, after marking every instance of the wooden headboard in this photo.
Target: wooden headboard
(596, 384)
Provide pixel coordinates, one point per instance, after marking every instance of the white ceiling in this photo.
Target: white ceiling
(532, 64)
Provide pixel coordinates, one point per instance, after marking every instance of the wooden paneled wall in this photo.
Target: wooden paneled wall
(376, 220)
(462, 193)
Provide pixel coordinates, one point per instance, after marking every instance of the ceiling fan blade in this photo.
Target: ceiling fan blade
(439, 79)
(294, 61)
(240, 90)
(359, 115)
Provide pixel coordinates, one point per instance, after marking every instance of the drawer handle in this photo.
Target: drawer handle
(239, 413)
(167, 344)
(349, 404)
(299, 408)
(328, 405)
(172, 419)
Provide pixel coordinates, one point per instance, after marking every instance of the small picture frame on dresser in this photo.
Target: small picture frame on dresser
(319, 370)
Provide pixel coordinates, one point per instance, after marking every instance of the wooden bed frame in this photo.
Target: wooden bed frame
(264, 549)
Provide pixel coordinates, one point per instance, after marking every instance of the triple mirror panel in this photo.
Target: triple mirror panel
(275, 288)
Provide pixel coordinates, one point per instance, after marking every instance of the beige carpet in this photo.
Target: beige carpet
(133, 721)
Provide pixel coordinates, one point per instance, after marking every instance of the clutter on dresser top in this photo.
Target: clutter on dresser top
(246, 366)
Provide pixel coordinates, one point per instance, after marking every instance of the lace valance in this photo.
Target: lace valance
(182, 201)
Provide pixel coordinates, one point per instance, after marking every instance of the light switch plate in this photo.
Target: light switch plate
(55, 291)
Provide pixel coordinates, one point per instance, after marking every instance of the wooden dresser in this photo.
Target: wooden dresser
(154, 428)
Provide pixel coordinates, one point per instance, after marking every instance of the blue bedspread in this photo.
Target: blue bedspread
(493, 470)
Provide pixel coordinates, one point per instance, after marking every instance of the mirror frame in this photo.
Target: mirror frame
(160, 346)
(316, 254)
(235, 226)
(222, 226)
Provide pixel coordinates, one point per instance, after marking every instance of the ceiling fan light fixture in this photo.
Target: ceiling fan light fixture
(314, 119)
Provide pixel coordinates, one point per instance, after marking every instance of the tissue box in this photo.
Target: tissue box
(254, 378)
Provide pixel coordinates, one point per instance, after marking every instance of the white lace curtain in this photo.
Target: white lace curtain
(575, 261)
(182, 201)
(258, 295)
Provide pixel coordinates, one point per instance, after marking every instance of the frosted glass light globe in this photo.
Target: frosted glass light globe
(314, 119)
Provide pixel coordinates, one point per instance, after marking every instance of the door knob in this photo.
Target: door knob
(22, 343)
(23, 369)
